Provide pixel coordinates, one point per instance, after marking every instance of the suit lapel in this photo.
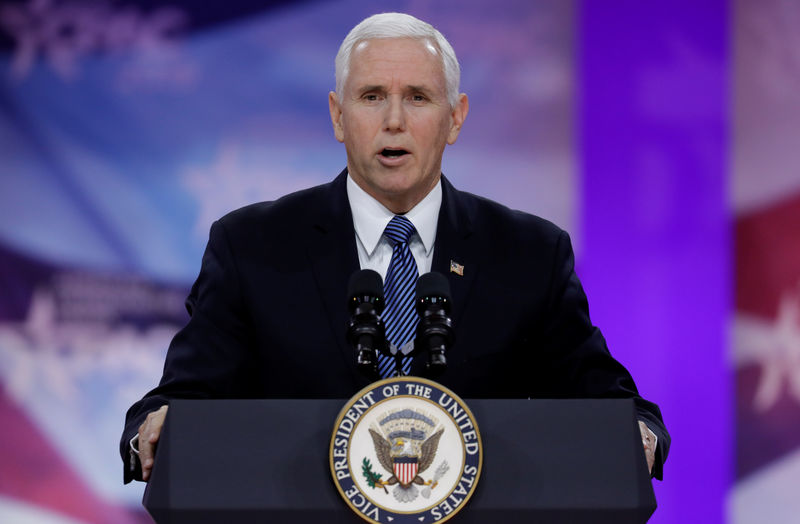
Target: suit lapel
(334, 258)
(455, 242)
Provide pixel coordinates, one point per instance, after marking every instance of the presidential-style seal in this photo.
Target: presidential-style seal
(406, 449)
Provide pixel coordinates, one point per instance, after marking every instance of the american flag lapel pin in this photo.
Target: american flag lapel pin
(456, 268)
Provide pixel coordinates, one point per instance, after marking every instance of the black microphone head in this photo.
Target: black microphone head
(433, 288)
(365, 285)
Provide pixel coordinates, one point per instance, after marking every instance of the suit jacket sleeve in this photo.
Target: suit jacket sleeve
(210, 356)
(580, 356)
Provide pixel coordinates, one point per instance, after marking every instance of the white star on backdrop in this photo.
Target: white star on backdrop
(775, 347)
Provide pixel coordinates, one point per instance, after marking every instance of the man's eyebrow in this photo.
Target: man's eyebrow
(424, 90)
(368, 88)
(379, 88)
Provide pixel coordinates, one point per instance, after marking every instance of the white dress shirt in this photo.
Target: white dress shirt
(370, 218)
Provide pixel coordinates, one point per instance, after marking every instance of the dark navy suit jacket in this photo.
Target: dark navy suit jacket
(269, 310)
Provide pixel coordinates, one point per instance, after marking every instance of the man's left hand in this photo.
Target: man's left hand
(649, 443)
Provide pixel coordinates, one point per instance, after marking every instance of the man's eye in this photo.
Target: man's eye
(418, 98)
(371, 97)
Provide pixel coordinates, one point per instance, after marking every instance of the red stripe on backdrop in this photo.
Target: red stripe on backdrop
(768, 286)
(767, 257)
(33, 472)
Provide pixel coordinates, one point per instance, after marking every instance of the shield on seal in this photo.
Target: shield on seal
(405, 469)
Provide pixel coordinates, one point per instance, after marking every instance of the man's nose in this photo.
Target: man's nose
(395, 118)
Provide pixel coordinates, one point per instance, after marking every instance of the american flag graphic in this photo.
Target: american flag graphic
(766, 227)
(405, 469)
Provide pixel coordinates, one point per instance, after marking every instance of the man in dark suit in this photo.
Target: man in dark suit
(268, 313)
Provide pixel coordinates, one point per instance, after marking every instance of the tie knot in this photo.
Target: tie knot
(399, 230)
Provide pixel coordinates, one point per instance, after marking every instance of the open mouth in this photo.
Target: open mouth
(393, 153)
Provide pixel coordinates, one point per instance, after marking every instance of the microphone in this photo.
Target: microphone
(366, 330)
(435, 329)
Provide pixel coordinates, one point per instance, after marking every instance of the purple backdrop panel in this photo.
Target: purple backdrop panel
(656, 251)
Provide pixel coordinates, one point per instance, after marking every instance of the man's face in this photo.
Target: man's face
(394, 119)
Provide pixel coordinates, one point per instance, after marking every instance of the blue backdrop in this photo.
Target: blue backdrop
(656, 135)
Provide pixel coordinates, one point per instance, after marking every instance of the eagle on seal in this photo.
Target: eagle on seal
(405, 458)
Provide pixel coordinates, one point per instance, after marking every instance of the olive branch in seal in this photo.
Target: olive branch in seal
(373, 479)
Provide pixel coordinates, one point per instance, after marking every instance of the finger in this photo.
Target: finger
(648, 442)
(153, 424)
(648, 437)
(145, 456)
(149, 433)
(649, 455)
(156, 423)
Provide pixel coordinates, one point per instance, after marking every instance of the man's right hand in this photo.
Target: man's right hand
(149, 432)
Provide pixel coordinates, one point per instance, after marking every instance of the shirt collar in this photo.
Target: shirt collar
(370, 217)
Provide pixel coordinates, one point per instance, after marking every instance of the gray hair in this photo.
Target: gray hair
(399, 25)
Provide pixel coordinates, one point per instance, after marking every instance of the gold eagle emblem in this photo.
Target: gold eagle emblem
(405, 448)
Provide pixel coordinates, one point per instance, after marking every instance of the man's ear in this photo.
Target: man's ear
(458, 115)
(336, 116)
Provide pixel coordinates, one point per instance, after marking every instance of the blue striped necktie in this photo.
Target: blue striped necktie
(399, 316)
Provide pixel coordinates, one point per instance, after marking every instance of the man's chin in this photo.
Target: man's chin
(395, 188)
(401, 197)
